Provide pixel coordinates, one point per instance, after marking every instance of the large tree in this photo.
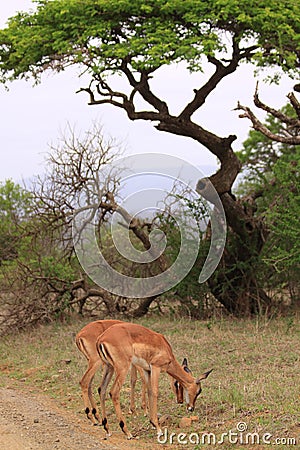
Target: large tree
(134, 39)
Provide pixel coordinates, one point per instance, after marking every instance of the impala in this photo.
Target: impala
(126, 344)
(86, 343)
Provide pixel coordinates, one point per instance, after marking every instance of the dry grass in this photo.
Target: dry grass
(255, 379)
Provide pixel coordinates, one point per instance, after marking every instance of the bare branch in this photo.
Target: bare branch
(137, 228)
(288, 135)
(274, 112)
(109, 96)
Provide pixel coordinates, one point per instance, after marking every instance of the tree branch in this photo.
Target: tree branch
(182, 124)
(287, 138)
(220, 72)
(137, 228)
(295, 104)
(143, 88)
(109, 95)
(274, 112)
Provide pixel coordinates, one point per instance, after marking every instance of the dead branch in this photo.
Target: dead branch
(289, 135)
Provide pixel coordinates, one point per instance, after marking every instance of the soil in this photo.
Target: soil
(31, 421)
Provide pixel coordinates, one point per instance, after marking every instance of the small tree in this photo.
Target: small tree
(79, 178)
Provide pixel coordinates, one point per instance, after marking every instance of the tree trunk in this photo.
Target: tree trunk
(234, 283)
(143, 307)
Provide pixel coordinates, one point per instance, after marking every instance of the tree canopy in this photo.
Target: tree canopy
(135, 38)
(112, 34)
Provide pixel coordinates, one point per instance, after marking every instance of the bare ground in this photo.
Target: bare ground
(34, 422)
(31, 421)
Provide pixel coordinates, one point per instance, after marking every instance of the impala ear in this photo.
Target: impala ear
(185, 366)
(184, 362)
(203, 376)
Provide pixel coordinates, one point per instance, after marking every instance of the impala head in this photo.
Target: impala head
(177, 387)
(193, 391)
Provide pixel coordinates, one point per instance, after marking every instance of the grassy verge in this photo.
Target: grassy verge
(255, 381)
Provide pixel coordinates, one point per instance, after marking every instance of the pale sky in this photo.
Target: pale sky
(33, 117)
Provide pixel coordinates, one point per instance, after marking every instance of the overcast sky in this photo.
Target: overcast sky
(32, 118)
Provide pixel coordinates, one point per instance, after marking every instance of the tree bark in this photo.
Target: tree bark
(234, 283)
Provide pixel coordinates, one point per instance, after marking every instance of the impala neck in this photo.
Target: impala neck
(177, 372)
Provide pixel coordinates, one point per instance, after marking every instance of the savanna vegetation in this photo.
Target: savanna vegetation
(259, 270)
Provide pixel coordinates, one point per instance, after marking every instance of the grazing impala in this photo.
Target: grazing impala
(86, 343)
(125, 344)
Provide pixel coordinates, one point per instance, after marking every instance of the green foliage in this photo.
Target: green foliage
(33, 268)
(53, 268)
(272, 178)
(15, 204)
(260, 153)
(283, 214)
(147, 34)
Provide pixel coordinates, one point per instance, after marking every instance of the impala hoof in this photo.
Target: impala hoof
(108, 435)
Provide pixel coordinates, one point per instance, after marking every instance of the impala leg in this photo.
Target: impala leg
(121, 373)
(133, 379)
(153, 397)
(87, 395)
(107, 376)
(144, 390)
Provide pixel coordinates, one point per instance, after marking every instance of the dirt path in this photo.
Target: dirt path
(30, 421)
